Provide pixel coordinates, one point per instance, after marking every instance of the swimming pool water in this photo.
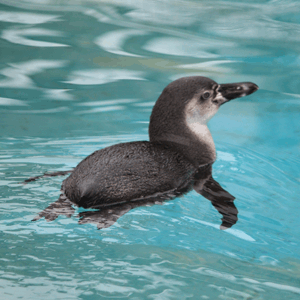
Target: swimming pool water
(77, 76)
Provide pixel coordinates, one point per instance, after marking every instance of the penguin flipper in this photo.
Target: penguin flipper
(213, 191)
(220, 199)
(62, 206)
(107, 216)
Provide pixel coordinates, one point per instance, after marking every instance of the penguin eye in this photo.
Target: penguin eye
(206, 95)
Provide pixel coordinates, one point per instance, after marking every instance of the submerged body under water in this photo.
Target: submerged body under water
(177, 159)
(78, 78)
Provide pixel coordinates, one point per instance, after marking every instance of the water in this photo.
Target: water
(77, 76)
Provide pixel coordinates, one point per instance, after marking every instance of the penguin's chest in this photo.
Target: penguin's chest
(203, 136)
(196, 124)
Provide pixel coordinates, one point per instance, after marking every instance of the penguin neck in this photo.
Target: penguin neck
(196, 123)
(187, 134)
(204, 140)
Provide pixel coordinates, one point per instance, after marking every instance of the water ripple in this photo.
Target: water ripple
(102, 76)
(17, 36)
(12, 102)
(76, 77)
(27, 18)
(114, 41)
(18, 74)
(181, 47)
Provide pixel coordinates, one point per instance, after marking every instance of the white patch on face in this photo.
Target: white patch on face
(200, 113)
(219, 97)
(196, 117)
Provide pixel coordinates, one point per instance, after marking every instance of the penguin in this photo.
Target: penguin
(177, 159)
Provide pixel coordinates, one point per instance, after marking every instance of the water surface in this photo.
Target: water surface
(79, 76)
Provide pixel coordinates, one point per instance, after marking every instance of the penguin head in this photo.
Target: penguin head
(193, 99)
(183, 109)
(209, 96)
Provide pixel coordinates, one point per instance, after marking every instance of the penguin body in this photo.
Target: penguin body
(127, 172)
(178, 157)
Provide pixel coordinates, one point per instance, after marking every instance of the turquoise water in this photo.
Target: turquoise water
(77, 76)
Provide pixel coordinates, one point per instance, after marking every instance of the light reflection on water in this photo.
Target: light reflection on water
(77, 77)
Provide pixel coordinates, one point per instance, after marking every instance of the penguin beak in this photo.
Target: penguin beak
(230, 91)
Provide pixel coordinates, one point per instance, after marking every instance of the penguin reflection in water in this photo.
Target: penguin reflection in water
(177, 159)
